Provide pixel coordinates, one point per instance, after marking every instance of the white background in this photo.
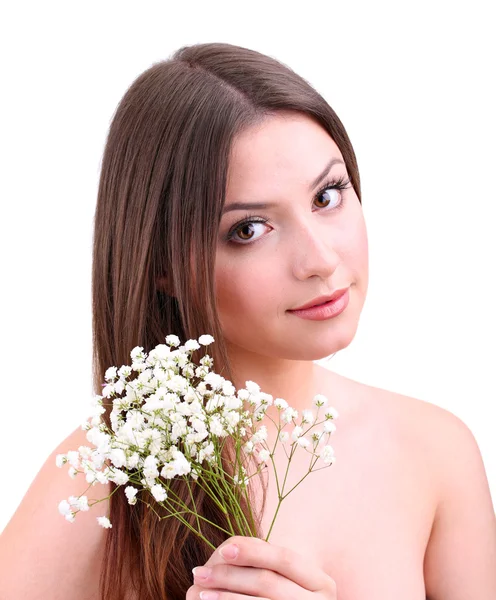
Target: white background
(413, 84)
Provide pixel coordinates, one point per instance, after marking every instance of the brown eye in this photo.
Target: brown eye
(328, 196)
(243, 231)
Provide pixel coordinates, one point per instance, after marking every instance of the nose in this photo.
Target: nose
(312, 251)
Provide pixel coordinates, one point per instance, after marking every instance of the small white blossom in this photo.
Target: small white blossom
(260, 435)
(65, 508)
(284, 436)
(331, 413)
(327, 454)
(243, 394)
(307, 416)
(320, 400)
(172, 340)
(264, 455)
(248, 447)
(137, 353)
(60, 460)
(118, 457)
(205, 339)
(295, 434)
(79, 503)
(252, 387)
(329, 427)
(159, 492)
(104, 522)
(303, 442)
(191, 345)
(110, 373)
(119, 477)
(289, 414)
(280, 403)
(131, 492)
(73, 458)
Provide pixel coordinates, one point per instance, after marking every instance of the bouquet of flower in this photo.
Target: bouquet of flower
(166, 427)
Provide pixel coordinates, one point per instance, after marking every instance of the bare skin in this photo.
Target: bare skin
(366, 519)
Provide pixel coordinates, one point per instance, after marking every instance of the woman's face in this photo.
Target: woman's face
(311, 244)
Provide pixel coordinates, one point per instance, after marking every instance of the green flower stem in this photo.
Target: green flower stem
(214, 481)
(244, 490)
(281, 491)
(189, 511)
(234, 503)
(188, 525)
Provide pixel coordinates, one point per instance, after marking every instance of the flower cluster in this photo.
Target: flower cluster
(171, 421)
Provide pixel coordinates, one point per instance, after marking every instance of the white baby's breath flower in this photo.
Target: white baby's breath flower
(280, 403)
(243, 394)
(118, 457)
(320, 400)
(110, 373)
(172, 340)
(228, 389)
(65, 508)
(264, 455)
(137, 353)
(303, 442)
(248, 447)
(102, 477)
(131, 492)
(329, 427)
(307, 416)
(191, 345)
(284, 436)
(60, 459)
(295, 434)
(72, 472)
(331, 413)
(317, 435)
(168, 470)
(206, 340)
(327, 454)
(252, 387)
(119, 477)
(73, 458)
(80, 503)
(159, 492)
(289, 414)
(124, 371)
(104, 522)
(260, 435)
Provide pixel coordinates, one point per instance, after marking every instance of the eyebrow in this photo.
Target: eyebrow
(264, 205)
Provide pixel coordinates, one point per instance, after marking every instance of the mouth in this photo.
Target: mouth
(322, 299)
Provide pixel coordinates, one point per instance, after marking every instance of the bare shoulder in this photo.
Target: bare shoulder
(38, 544)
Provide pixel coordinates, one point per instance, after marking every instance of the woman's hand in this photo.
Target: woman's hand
(259, 570)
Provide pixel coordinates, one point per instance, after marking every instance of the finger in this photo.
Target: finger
(194, 591)
(216, 558)
(254, 552)
(248, 581)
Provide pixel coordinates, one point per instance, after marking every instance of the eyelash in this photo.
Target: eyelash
(341, 183)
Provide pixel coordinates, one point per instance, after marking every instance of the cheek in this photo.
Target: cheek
(244, 293)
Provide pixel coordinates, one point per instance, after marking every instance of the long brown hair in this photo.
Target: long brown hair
(160, 197)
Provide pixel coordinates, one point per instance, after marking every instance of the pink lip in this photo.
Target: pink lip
(322, 299)
(324, 311)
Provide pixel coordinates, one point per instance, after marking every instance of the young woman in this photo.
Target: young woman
(230, 198)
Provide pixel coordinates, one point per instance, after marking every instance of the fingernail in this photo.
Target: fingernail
(202, 572)
(229, 551)
(209, 595)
